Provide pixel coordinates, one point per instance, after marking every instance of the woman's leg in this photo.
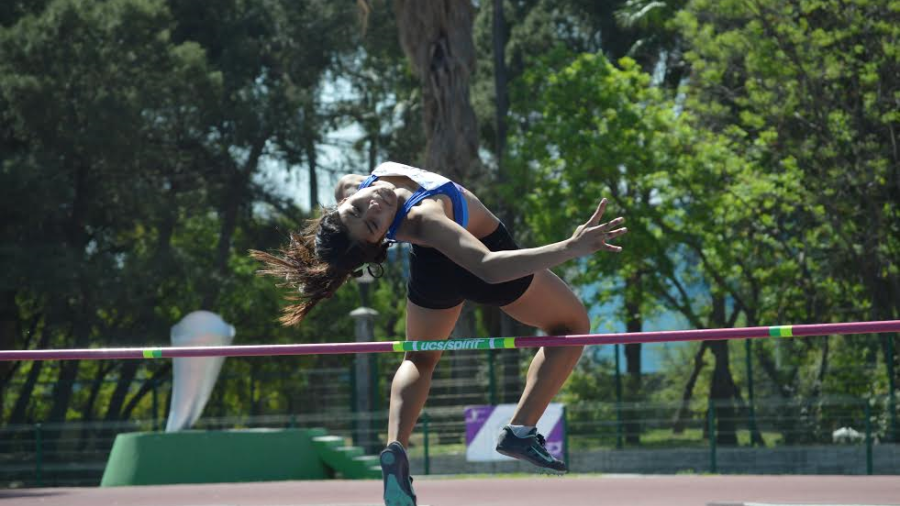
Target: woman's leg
(549, 305)
(413, 378)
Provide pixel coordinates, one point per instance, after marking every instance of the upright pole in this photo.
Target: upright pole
(363, 318)
(892, 399)
(492, 381)
(354, 406)
(748, 349)
(39, 455)
(868, 415)
(565, 421)
(155, 397)
(711, 417)
(374, 404)
(374, 383)
(618, 400)
(425, 418)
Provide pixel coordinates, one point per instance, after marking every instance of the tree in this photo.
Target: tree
(437, 40)
(588, 130)
(804, 88)
(75, 111)
(580, 27)
(125, 124)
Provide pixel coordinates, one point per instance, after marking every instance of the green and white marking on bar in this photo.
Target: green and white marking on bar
(781, 331)
(489, 343)
(152, 353)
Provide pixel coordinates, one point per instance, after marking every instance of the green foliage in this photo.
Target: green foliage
(590, 130)
(768, 196)
(806, 91)
(132, 133)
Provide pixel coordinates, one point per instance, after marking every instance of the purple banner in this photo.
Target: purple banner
(484, 424)
(475, 418)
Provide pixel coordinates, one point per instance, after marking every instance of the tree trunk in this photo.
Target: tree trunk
(756, 438)
(87, 411)
(229, 210)
(784, 389)
(68, 371)
(78, 311)
(313, 160)
(128, 370)
(146, 387)
(823, 368)
(633, 387)
(633, 323)
(684, 409)
(721, 391)
(722, 388)
(511, 380)
(62, 390)
(166, 230)
(436, 37)
(500, 87)
(20, 409)
(228, 213)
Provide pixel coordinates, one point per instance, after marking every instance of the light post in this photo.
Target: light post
(364, 282)
(364, 318)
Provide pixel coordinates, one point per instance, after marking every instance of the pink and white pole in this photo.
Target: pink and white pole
(486, 343)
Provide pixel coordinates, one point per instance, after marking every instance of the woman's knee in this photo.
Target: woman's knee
(578, 323)
(576, 326)
(424, 359)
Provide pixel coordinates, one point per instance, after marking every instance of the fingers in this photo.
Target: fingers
(593, 227)
(612, 235)
(611, 224)
(595, 219)
(616, 233)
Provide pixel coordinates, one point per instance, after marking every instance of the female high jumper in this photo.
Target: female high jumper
(460, 252)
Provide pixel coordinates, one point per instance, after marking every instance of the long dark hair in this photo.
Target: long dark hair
(317, 261)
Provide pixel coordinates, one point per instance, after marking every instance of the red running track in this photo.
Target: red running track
(588, 490)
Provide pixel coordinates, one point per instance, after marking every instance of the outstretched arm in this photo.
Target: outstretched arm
(438, 231)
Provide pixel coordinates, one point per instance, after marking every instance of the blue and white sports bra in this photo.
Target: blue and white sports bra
(429, 184)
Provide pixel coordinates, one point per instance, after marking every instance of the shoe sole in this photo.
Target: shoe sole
(547, 470)
(394, 495)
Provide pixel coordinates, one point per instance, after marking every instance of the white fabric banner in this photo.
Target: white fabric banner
(193, 378)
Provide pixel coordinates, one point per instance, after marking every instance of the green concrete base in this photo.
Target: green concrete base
(228, 456)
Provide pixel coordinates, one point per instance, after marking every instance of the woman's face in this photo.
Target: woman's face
(369, 212)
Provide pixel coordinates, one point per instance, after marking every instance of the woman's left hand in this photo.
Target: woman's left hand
(593, 236)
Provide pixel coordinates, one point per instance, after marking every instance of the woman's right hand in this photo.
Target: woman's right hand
(593, 236)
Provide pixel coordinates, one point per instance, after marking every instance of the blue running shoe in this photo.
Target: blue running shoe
(398, 489)
(531, 448)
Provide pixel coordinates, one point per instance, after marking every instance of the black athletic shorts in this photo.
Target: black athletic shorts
(435, 282)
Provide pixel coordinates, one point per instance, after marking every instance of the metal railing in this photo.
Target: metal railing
(831, 435)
